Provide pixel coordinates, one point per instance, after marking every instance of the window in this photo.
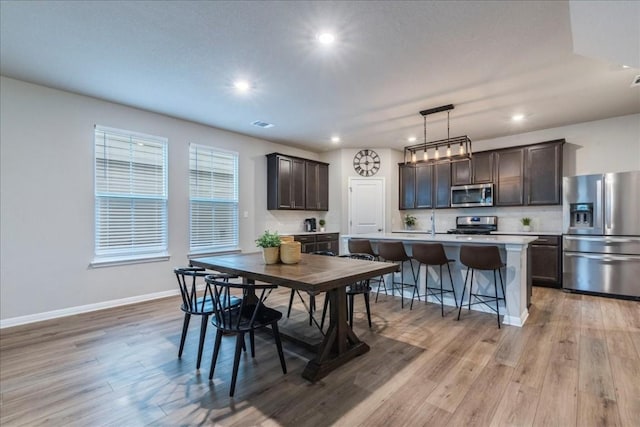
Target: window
(213, 199)
(130, 195)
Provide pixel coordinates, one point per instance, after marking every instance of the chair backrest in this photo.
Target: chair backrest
(325, 253)
(481, 257)
(248, 315)
(187, 282)
(429, 253)
(392, 251)
(360, 246)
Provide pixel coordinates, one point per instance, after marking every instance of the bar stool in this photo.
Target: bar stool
(363, 246)
(394, 252)
(482, 258)
(432, 254)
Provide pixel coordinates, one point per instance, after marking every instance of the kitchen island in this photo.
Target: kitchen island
(514, 252)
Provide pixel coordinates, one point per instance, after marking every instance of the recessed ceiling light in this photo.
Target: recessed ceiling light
(326, 38)
(626, 66)
(242, 85)
(335, 139)
(517, 117)
(411, 139)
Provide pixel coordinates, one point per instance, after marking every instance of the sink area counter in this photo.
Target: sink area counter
(514, 252)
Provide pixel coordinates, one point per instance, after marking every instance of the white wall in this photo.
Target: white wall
(46, 205)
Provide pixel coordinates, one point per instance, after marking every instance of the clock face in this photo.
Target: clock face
(366, 162)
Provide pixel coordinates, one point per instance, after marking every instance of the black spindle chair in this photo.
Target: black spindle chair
(195, 303)
(250, 315)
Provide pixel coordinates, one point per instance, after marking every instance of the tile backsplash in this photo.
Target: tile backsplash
(544, 218)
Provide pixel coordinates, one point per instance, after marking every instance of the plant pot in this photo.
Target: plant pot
(322, 229)
(290, 252)
(271, 255)
(526, 228)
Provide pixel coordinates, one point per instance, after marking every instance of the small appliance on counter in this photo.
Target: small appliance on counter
(601, 244)
(310, 224)
(475, 225)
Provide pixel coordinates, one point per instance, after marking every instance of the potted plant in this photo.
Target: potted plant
(526, 224)
(409, 221)
(322, 223)
(270, 244)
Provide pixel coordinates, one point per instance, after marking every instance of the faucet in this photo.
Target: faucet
(433, 222)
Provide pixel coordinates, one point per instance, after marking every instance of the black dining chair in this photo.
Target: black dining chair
(312, 296)
(197, 304)
(363, 246)
(361, 287)
(251, 314)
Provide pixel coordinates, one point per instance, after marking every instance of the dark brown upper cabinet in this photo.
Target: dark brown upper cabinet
(509, 177)
(476, 171)
(407, 186)
(442, 185)
(288, 186)
(543, 177)
(425, 185)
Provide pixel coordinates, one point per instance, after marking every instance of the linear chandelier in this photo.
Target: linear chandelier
(431, 150)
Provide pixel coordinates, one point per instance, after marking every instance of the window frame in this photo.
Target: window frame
(136, 253)
(234, 202)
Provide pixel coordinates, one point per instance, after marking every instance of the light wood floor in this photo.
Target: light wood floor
(575, 363)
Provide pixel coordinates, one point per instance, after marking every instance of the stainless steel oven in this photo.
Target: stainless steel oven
(467, 196)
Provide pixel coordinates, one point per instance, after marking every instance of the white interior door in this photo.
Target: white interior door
(366, 205)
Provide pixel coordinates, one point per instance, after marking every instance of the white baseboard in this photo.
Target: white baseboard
(38, 317)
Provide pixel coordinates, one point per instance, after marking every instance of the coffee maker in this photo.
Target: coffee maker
(310, 224)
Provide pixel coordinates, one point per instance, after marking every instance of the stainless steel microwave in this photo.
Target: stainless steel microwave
(467, 196)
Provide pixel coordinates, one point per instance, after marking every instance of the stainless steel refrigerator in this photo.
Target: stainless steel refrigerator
(601, 242)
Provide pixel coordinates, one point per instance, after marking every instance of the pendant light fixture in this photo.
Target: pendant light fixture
(464, 151)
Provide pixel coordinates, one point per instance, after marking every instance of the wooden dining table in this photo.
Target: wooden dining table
(314, 273)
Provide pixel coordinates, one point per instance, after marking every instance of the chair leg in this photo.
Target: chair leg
(402, 284)
(236, 362)
(464, 288)
(383, 284)
(441, 293)
(416, 290)
(495, 288)
(203, 333)
(293, 292)
(312, 308)
(252, 343)
(471, 289)
(366, 304)
(185, 328)
(324, 310)
(455, 301)
(216, 350)
(350, 304)
(276, 336)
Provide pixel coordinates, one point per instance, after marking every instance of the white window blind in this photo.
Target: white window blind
(130, 194)
(213, 199)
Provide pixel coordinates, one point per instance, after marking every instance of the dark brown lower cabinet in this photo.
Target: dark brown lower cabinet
(546, 261)
(319, 242)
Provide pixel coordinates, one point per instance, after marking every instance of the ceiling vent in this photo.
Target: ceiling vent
(636, 81)
(261, 124)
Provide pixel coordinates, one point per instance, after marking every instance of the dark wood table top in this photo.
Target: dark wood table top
(315, 273)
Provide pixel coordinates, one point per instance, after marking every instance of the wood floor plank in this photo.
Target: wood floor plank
(119, 367)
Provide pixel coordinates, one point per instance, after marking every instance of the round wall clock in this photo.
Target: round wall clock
(366, 162)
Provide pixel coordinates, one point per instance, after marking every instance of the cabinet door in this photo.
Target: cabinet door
(311, 176)
(407, 187)
(424, 186)
(482, 168)
(442, 187)
(544, 176)
(284, 178)
(323, 187)
(545, 264)
(298, 181)
(461, 172)
(509, 176)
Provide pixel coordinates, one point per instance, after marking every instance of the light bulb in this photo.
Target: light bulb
(426, 156)
(448, 150)
(437, 156)
(461, 149)
(413, 157)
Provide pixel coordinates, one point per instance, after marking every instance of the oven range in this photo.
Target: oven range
(475, 225)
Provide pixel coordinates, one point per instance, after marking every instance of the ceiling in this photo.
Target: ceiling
(391, 60)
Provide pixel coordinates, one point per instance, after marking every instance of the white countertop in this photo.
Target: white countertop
(306, 233)
(447, 238)
(530, 233)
